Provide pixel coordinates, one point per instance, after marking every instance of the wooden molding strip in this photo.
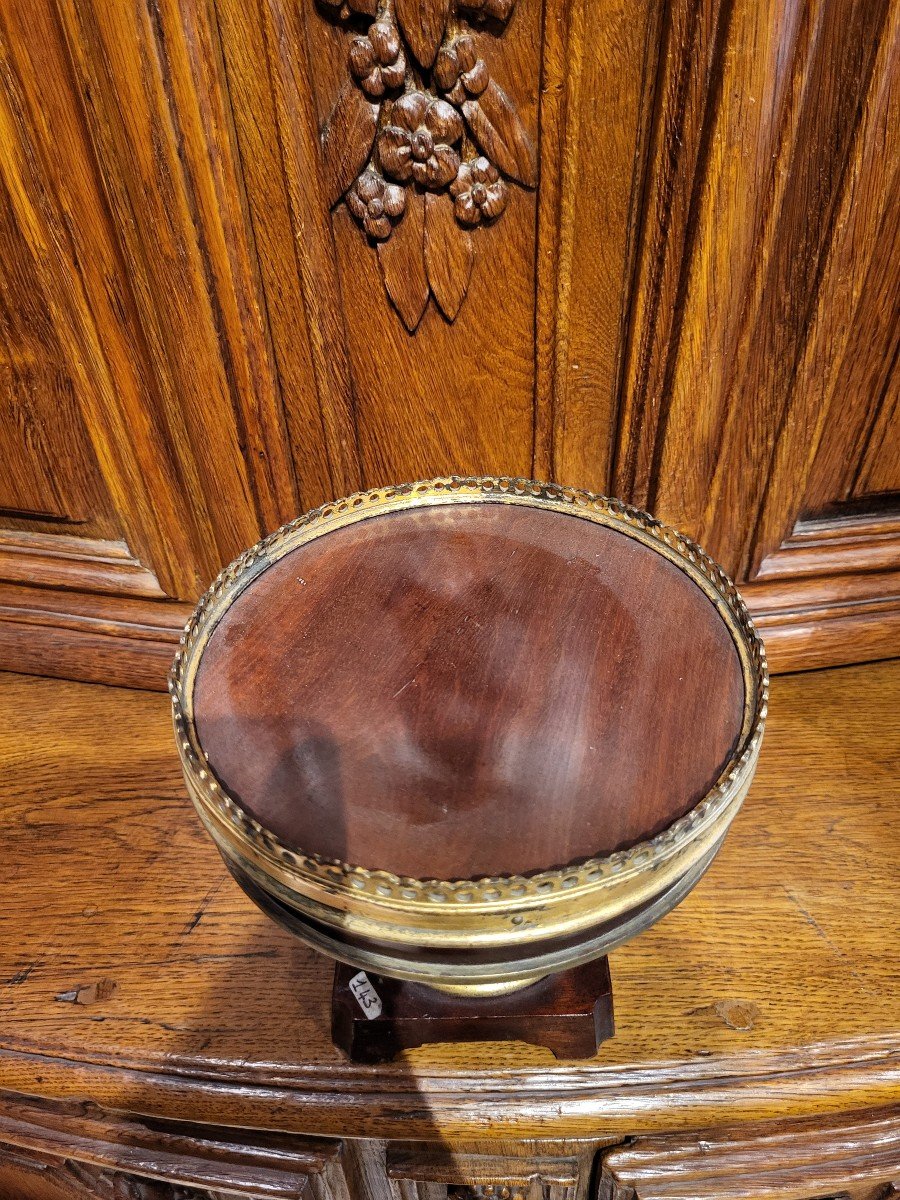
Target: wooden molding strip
(122, 640)
(427, 1164)
(830, 594)
(80, 608)
(242, 1162)
(836, 547)
(131, 642)
(830, 637)
(588, 1101)
(83, 564)
(785, 1159)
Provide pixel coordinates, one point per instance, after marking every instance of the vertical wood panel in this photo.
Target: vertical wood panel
(195, 77)
(814, 162)
(599, 64)
(39, 416)
(726, 281)
(686, 86)
(297, 272)
(57, 204)
(762, 327)
(141, 150)
(317, 275)
(880, 468)
(853, 331)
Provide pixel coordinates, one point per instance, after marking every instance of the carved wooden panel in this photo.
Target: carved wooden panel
(27, 1176)
(421, 141)
(38, 410)
(434, 1174)
(260, 254)
(76, 1150)
(139, 416)
(856, 1159)
(58, 200)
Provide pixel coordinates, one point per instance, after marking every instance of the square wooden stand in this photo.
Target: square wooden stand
(373, 1017)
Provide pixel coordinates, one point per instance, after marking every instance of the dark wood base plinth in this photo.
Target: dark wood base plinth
(373, 1018)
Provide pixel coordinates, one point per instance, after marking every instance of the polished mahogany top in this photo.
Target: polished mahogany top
(469, 689)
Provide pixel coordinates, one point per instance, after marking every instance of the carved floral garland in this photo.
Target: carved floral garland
(422, 141)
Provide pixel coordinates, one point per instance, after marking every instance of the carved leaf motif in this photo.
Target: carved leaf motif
(347, 139)
(499, 132)
(423, 23)
(449, 254)
(402, 262)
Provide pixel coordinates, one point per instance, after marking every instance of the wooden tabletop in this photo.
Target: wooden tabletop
(134, 972)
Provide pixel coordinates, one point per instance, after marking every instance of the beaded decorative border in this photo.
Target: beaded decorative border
(208, 792)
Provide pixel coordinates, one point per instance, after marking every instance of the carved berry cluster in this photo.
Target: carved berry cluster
(422, 137)
(376, 204)
(421, 141)
(377, 60)
(421, 114)
(478, 192)
(459, 72)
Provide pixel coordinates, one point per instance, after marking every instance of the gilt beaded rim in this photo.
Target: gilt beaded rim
(208, 791)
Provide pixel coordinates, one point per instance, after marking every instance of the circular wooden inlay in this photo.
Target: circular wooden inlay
(469, 689)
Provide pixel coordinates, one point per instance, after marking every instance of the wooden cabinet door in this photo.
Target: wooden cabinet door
(759, 403)
(647, 248)
(140, 436)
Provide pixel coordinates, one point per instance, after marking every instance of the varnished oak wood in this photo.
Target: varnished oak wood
(135, 972)
(25, 1176)
(801, 217)
(182, 1155)
(380, 692)
(688, 300)
(802, 1159)
(93, 636)
(762, 349)
(434, 1171)
(694, 308)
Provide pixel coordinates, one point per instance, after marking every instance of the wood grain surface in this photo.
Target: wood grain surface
(467, 690)
(688, 299)
(859, 1158)
(135, 972)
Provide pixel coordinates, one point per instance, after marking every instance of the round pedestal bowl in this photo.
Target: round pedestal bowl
(469, 732)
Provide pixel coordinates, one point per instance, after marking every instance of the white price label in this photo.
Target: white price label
(366, 996)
